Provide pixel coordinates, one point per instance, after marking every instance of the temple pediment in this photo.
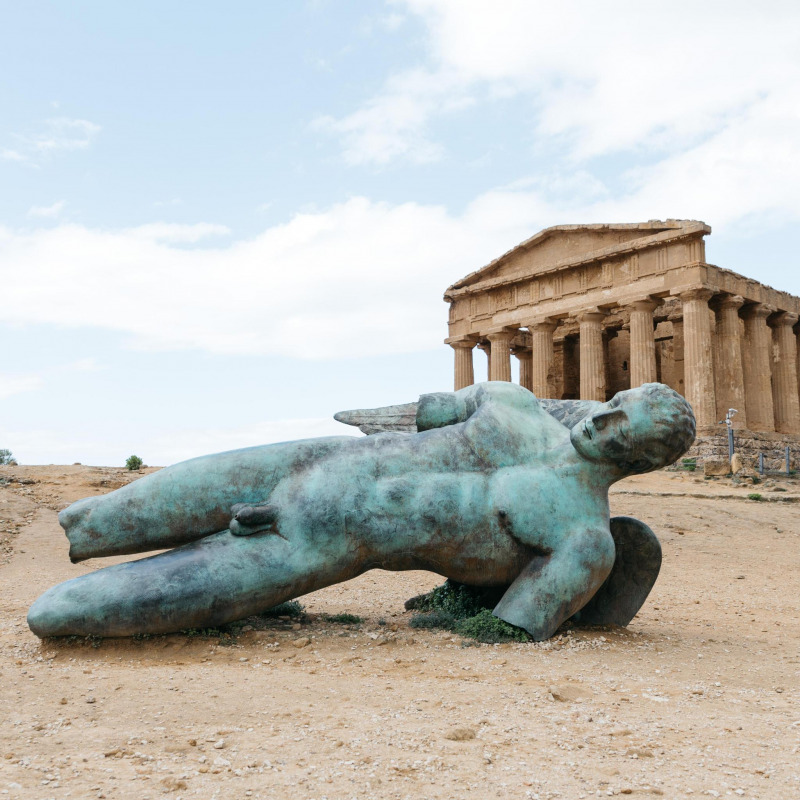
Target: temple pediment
(565, 245)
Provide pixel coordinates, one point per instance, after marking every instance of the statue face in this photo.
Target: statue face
(616, 432)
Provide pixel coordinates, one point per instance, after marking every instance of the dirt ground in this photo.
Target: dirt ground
(699, 696)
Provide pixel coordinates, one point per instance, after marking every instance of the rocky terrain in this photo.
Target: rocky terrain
(699, 697)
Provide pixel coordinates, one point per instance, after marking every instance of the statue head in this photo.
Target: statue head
(638, 430)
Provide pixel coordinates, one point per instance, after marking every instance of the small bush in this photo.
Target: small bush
(755, 480)
(291, 608)
(485, 627)
(133, 463)
(689, 464)
(754, 496)
(7, 457)
(434, 620)
(458, 599)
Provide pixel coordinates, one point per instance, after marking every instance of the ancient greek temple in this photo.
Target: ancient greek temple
(590, 310)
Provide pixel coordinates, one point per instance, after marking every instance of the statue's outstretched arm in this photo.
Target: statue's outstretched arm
(552, 588)
(403, 418)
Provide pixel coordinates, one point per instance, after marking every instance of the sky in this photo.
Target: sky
(222, 223)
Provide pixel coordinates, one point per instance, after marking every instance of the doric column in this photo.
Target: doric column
(487, 348)
(464, 371)
(524, 357)
(541, 356)
(784, 374)
(593, 371)
(500, 361)
(643, 343)
(756, 367)
(729, 372)
(698, 357)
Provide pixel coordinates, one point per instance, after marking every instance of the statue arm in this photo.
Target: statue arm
(440, 409)
(552, 588)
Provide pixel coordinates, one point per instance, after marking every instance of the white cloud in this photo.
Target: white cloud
(59, 134)
(47, 211)
(11, 384)
(63, 133)
(361, 277)
(709, 92)
(11, 155)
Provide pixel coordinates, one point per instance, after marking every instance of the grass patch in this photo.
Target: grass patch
(689, 464)
(465, 610)
(485, 627)
(434, 620)
(291, 608)
(754, 496)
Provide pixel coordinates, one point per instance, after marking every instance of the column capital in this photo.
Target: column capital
(501, 336)
(699, 293)
(467, 343)
(591, 315)
(783, 318)
(546, 325)
(721, 301)
(642, 304)
(758, 310)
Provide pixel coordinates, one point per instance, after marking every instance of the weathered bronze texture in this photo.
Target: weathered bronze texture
(492, 491)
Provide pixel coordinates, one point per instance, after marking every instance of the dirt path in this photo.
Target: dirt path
(700, 696)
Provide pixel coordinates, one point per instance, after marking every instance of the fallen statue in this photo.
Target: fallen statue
(491, 491)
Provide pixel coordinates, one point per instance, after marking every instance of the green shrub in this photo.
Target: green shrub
(458, 599)
(754, 496)
(485, 627)
(434, 620)
(134, 463)
(291, 608)
(7, 457)
(689, 464)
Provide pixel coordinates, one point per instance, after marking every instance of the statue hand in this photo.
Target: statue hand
(248, 519)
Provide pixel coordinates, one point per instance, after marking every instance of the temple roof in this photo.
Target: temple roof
(567, 245)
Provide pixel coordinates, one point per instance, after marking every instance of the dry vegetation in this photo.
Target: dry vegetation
(698, 697)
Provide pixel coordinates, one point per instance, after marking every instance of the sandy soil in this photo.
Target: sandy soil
(700, 696)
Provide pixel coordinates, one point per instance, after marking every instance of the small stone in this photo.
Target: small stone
(303, 641)
(193, 742)
(91, 700)
(460, 734)
(219, 744)
(297, 626)
(63, 701)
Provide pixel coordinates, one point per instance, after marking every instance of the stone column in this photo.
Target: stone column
(643, 343)
(593, 372)
(524, 357)
(500, 361)
(464, 372)
(729, 372)
(698, 357)
(756, 368)
(541, 356)
(784, 374)
(487, 348)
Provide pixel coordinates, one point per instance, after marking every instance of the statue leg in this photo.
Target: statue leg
(186, 501)
(216, 580)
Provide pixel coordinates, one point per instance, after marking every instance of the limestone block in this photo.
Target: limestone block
(716, 467)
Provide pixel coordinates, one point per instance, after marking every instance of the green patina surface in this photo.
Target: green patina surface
(492, 491)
